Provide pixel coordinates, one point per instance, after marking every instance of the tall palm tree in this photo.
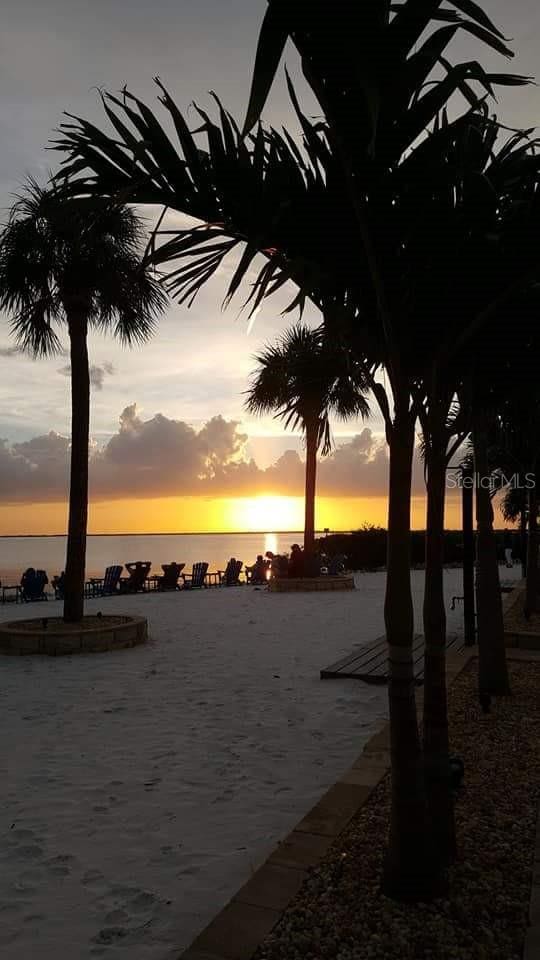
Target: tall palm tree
(514, 507)
(75, 263)
(351, 228)
(303, 379)
(519, 449)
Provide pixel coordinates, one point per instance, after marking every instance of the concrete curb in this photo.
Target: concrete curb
(532, 939)
(245, 922)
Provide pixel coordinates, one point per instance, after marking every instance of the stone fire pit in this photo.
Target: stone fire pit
(50, 636)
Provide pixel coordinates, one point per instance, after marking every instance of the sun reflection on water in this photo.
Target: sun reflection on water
(270, 543)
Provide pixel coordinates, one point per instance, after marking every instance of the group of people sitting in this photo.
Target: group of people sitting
(296, 564)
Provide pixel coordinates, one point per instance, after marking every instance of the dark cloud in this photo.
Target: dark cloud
(98, 372)
(144, 458)
(162, 457)
(34, 471)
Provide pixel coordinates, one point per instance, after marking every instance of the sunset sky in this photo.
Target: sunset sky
(172, 448)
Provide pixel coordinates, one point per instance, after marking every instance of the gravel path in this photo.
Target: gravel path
(339, 912)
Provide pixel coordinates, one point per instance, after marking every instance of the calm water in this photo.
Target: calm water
(48, 553)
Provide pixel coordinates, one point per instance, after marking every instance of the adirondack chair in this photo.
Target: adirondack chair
(336, 566)
(33, 583)
(138, 573)
(258, 573)
(195, 579)
(171, 574)
(230, 576)
(58, 585)
(104, 586)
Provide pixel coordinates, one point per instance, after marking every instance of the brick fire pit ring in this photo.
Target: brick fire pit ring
(50, 636)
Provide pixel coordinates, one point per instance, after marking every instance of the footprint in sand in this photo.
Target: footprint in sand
(65, 860)
(123, 890)
(22, 886)
(117, 917)
(92, 877)
(142, 901)
(110, 935)
(30, 851)
(149, 784)
(21, 834)
(11, 907)
(32, 876)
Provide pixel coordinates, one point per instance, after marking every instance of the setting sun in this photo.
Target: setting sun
(269, 513)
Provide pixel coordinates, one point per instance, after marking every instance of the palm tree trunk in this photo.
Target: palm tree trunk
(78, 489)
(531, 591)
(436, 742)
(469, 611)
(312, 432)
(408, 873)
(492, 668)
(523, 539)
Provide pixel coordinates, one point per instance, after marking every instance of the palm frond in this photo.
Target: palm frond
(302, 378)
(65, 256)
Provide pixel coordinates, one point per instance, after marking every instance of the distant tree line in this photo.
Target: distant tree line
(366, 549)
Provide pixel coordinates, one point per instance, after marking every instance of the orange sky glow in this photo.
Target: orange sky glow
(216, 515)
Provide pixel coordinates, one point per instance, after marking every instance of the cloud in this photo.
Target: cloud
(10, 351)
(98, 372)
(163, 457)
(36, 470)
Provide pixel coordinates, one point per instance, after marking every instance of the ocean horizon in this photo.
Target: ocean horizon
(48, 552)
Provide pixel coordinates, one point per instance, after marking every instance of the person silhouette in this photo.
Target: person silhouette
(296, 561)
(508, 548)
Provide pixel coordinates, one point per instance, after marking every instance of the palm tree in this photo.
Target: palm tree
(351, 227)
(364, 111)
(514, 507)
(499, 385)
(519, 450)
(304, 378)
(75, 263)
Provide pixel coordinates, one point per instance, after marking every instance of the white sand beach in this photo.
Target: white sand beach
(140, 788)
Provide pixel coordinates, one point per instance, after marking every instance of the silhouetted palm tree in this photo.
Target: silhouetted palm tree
(351, 227)
(75, 263)
(304, 379)
(514, 508)
(518, 452)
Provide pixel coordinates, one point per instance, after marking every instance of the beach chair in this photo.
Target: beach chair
(58, 585)
(258, 574)
(195, 579)
(171, 575)
(104, 586)
(230, 576)
(33, 585)
(336, 567)
(136, 582)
